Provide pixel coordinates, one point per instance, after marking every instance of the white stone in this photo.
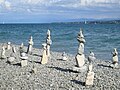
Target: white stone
(11, 59)
(23, 63)
(115, 59)
(80, 60)
(89, 79)
(8, 45)
(22, 45)
(90, 67)
(13, 49)
(49, 42)
(81, 34)
(29, 50)
(48, 32)
(64, 56)
(3, 53)
(23, 56)
(80, 37)
(48, 50)
(81, 48)
(115, 56)
(115, 65)
(91, 57)
(44, 58)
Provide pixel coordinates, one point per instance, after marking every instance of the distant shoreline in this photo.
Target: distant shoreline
(116, 21)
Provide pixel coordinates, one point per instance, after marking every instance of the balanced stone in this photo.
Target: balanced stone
(23, 63)
(115, 59)
(90, 76)
(91, 57)
(89, 79)
(29, 50)
(90, 67)
(49, 42)
(80, 37)
(81, 48)
(22, 45)
(13, 49)
(80, 60)
(21, 49)
(23, 56)
(115, 56)
(3, 56)
(64, 56)
(80, 57)
(8, 45)
(44, 58)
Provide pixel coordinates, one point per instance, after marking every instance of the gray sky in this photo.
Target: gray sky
(57, 10)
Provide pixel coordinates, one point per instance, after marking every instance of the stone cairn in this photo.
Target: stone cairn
(44, 58)
(3, 56)
(21, 48)
(91, 57)
(13, 56)
(14, 49)
(23, 59)
(29, 50)
(115, 59)
(90, 73)
(8, 45)
(48, 42)
(64, 56)
(90, 76)
(80, 57)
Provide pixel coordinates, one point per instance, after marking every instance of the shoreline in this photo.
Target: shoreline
(56, 74)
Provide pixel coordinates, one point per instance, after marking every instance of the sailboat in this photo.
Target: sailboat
(85, 22)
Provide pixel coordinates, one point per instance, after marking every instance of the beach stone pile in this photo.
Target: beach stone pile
(28, 68)
(57, 74)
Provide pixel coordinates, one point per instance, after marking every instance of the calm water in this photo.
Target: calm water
(100, 38)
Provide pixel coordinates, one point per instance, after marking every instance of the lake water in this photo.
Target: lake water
(100, 38)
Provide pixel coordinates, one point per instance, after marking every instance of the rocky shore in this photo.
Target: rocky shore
(55, 75)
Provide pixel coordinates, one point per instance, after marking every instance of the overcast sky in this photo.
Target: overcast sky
(57, 10)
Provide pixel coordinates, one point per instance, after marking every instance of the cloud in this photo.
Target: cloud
(7, 5)
(4, 4)
(43, 4)
(62, 8)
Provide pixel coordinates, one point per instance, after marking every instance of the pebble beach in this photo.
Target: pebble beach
(56, 74)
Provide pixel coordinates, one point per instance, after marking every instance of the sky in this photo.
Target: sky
(43, 11)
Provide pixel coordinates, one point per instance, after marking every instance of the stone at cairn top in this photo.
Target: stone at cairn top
(22, 45)
(48, 32)
(44, 45)
(115, 52)
(80, 37)
(31, 40)
(115, 56)
(9, 43)
(91, 57)
(48, 40)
